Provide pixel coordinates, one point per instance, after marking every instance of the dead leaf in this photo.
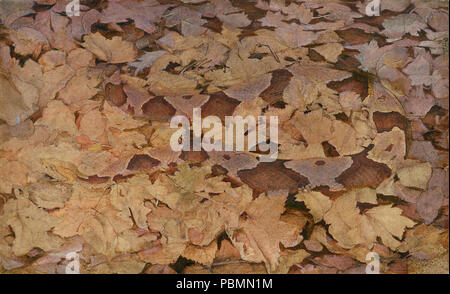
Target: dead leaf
(114, 51)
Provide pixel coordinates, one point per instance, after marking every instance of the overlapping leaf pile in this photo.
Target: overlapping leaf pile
(86, 165)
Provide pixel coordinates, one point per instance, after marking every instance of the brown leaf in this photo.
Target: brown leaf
(114, 51)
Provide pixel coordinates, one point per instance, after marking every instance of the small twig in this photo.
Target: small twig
(271, 51)
(228, 262)
(321, 16)
(191, 64)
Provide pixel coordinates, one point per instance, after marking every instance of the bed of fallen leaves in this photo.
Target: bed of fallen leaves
(86, 165)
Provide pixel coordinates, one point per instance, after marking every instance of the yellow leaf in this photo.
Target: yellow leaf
(330, 51)
(115, 50)
(350, 228)
(31, 226)
(317, 203)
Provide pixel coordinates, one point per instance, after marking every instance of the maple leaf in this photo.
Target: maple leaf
(195, 215)
(177, 191)
(397, 26)
(293, 10)
(311, 88)
(351, 228)
(189, 19)
(115, 50)
(259, 236)
(144, 13)
(173, 239)
(90, 214)
(243, 69)
(146, 60)
(336, 11)
(317, 203)
(228, 14)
